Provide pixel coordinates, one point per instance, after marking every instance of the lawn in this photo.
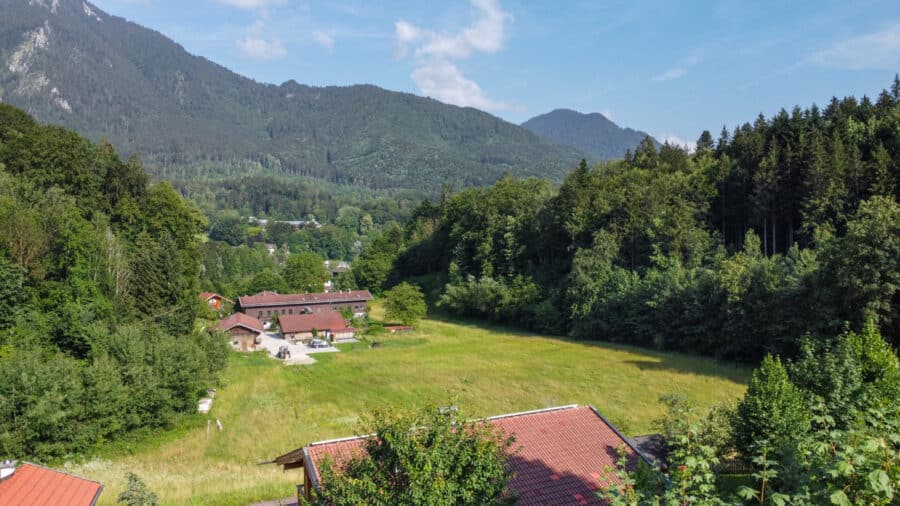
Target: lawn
(268, 409)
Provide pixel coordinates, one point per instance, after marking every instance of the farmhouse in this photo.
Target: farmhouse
(268, 306)
(215, 301)
(565, 454)
(327, 325)
(33, 484)
(243, 330)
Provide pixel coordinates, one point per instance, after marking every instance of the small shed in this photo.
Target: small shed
(244, 331)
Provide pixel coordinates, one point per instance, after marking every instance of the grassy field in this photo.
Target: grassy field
(268, 409)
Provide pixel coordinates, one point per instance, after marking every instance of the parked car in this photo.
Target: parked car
(319, 343)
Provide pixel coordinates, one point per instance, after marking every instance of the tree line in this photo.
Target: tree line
(98, 295)
(785, 227)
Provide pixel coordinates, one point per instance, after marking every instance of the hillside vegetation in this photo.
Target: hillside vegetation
(781, 228)
(188, 117)
(98, 296)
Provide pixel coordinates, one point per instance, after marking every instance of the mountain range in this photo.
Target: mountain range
(68, 62)
(594, 133)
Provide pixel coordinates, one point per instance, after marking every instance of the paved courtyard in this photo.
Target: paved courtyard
(300, 353)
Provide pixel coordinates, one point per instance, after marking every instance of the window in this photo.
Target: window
(259, 315)
(268, 313)
(282, 311)
(290, 311)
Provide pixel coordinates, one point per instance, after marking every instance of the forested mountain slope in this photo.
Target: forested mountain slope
(67, 62)
(594, 133)
(98, 295)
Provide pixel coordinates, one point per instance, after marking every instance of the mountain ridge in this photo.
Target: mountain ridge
(69, 62)
(592, 133)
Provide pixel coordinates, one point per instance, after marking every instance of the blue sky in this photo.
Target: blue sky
(670, 68)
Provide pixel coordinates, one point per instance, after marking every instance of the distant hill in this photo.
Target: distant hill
(592, 133)
(70, 63)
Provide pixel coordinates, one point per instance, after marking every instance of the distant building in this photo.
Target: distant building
(243, 329)
(215, 301)
(564, 454)
(271, 248)
(297, 224)
(31, 484)
(268, 306)
(336, 267)
(327, 325)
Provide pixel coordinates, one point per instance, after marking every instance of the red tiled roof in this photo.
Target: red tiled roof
(328, 320)
(564, 453)
(240, 320)
(36, 485)
(293, 299)
(209, 295)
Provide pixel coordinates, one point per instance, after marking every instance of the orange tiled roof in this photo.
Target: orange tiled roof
(240, 320)
(36, 485)
(293, 299)
(564, 454)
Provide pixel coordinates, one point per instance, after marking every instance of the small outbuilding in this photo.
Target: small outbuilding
(244, 330)
(216, 302)
(329, 325)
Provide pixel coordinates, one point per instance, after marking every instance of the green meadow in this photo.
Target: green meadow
(267, 408)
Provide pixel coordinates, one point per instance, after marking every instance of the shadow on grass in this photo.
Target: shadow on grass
(671, 361)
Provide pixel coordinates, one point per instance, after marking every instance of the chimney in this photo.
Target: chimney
(7, 468)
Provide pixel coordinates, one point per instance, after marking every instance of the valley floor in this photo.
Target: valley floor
(268, 409)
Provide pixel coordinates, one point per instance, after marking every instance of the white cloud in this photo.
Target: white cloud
(674, 140)
(255, 47)
(323, 39)
(680, 70)
(670, 74)
(435, 54)
(252, 4)
(879, 50)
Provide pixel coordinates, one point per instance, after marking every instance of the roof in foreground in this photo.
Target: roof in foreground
(290, 299)
(240, 320)
(32, 484)
(564, 454)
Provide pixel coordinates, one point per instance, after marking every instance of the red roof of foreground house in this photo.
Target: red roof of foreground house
(565, 453)
(32, 485)
(293, 299)
(328, 320)
(240, 320)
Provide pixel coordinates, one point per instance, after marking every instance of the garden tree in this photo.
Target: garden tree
(264, 280)
(865, 264)
(278, 232)
(421, 458)
(305, 272)
(772, 410)
(228, 227)
(136, 493)
(849, 375)
(404, 303)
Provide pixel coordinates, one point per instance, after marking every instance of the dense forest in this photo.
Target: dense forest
(98, 295)
(785, 227)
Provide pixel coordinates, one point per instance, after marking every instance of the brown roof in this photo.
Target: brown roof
(240, 320)
(209, 295)
(293, 299)
(328, 320)
(32, 484)
(564, 454)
